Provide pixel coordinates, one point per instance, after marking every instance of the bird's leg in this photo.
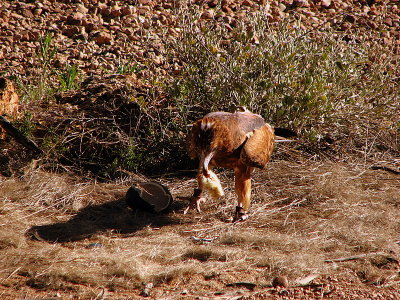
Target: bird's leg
(240, 214)
(243, 191)
(197, 197)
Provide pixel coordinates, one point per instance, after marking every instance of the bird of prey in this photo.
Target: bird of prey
(240, 141)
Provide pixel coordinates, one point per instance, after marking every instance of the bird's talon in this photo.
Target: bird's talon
(240, 215)
(186, 210)
(241, 218)
(194, 204)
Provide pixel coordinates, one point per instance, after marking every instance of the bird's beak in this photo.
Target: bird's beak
(205, 161)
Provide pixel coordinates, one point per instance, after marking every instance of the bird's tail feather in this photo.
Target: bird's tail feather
(285, 132)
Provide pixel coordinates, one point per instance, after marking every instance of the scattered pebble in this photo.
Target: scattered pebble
(105, 26)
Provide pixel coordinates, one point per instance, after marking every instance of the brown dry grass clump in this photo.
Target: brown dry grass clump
(79, 238)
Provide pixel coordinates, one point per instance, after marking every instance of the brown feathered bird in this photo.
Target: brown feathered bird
(241, 141)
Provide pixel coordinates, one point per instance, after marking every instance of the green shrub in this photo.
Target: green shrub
(48, 80)
(307, 81)
(68, 78)
(127, 67)
(26, 124)
(45, 53)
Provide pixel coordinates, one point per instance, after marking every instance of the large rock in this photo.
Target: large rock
(102, 37)
(9, 99)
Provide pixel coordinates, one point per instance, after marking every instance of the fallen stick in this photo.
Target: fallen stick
(387, 169)
(204, 240)
(18, 136)
(248, 285)
(354, 257)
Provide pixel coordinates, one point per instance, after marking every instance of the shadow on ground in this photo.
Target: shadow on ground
(112, 216)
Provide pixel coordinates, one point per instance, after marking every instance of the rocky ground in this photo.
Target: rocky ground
(100, 36)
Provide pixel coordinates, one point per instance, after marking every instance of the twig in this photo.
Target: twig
(101, 295)
(306, 280)
(384, 168)
(285, 141)
(36, 212)
(271, 211)
(354, 257)
(204, 240)
(18, 136)
(248, 285)
(270, 204)
(12, 273)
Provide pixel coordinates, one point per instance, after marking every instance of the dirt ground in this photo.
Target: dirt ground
(332, 229)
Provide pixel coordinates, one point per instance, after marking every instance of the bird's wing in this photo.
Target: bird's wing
(222, 132)
(258, 148)
(247, 121)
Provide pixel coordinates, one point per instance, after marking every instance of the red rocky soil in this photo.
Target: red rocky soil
(97, 35)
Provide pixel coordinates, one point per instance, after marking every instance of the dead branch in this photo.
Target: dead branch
(385, 168)
(18, 136)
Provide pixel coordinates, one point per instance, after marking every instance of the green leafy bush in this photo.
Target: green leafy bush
(68, 78)
(308, 81)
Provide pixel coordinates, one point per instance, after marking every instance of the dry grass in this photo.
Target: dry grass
(61, 234)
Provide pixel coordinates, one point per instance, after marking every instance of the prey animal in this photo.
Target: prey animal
(241, 141)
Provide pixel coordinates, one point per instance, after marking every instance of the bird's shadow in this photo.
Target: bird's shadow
(112, 216)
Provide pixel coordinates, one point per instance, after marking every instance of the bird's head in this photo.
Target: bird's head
(205, 136)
